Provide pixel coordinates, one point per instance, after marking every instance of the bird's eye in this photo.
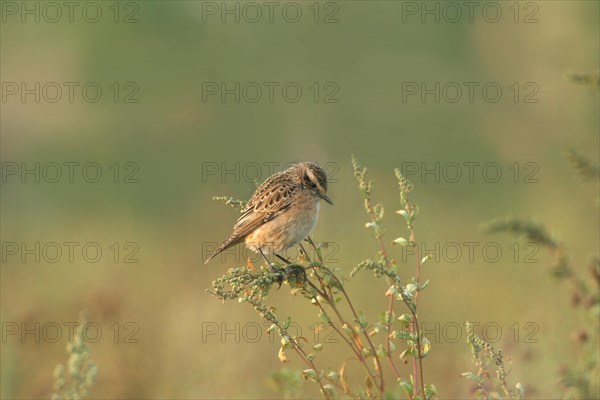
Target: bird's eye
(313, 185)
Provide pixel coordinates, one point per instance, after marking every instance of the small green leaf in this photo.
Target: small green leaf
(362, 320)
(392, 347)
(379, 211)
(430, 390)
(405, 353)
(385, 317)
(406, 386)
(334, 376)
(403, 213)
(328, 391)
(401, 241)
(377, 327)
(403, 336)
(346, 328)
(471, 376)
(310, 374)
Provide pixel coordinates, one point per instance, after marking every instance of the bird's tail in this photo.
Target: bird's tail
(224, 246)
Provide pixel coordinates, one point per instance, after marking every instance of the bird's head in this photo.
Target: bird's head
(313, 178)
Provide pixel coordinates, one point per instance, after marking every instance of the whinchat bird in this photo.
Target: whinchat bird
(281, 212)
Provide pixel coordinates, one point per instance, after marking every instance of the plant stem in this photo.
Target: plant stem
(300, 351)
(331, 301)
(356, 351)
(415, 322)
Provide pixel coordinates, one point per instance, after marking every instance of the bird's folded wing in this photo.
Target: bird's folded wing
(269, 201)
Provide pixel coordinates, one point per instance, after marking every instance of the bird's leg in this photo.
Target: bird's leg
(282, 259)
(267, 260)
(280, 275)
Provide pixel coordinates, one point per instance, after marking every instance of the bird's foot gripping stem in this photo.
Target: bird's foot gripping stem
(293, 274)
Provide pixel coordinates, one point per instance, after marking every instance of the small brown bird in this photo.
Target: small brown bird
(282, 211)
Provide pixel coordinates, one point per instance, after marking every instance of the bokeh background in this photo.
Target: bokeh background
(172, 135)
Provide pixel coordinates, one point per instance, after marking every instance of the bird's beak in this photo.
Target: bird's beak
(327, 199)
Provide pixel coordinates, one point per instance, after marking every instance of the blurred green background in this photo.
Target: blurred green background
(172, 135)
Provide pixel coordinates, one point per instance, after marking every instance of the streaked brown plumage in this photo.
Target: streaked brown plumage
(282, 211)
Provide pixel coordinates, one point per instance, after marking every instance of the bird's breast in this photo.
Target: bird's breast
(300, 220)
(289, 228)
